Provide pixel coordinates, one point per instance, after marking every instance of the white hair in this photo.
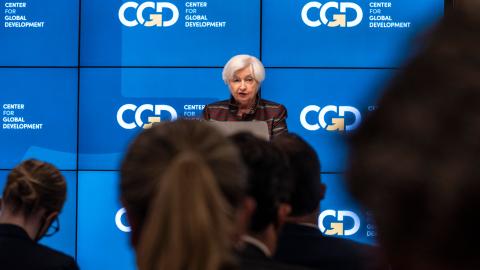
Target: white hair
(242, 61)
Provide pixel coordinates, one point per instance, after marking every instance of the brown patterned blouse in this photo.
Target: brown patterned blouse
(273, 113)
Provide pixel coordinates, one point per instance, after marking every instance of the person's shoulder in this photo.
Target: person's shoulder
(346, 244)
(274, 109)
(299, 237)
(57, 258)
(366, 255)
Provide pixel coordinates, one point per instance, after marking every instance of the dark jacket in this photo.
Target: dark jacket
(19, 252)
(304, 245)
(253, 258)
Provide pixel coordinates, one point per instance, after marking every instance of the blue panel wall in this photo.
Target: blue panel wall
(101, 244)
(39, 116)
(39, 33)
(203, 33)
(379, 39)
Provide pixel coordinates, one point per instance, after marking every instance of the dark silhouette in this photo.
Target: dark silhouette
(414, 161)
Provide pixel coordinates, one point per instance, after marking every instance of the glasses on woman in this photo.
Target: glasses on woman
(54, 228)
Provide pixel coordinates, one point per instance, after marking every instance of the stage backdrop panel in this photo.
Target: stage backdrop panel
(39, 33)
(103, 240)
(39, 116)
(115, 104)
(325, 105)
(341, 216)
(64, 239)
(354, 33)
(172, 33)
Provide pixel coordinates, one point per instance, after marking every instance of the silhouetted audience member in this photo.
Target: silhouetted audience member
(270, 186)
(183, 186)
(32, 199)
(301, 241)
(415, 161)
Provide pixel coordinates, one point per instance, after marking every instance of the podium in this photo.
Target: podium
(257, 128)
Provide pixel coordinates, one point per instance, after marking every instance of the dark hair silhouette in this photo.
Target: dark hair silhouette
(269, 182)
(414, 162)
(34, 185)
(305, 170)
(181, 182)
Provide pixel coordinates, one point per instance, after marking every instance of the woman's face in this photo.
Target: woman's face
(243, 87)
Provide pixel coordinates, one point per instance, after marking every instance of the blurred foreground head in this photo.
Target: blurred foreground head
(415, 162)
(305, 169)
(269, 182)
(182, 184)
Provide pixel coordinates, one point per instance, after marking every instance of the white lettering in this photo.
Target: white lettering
(195, 4)
(380, 4)
(118, 221)
(15, 5)
(193, 107)
(303, 117)
(13, 106)
(15, 18)
(13, 119)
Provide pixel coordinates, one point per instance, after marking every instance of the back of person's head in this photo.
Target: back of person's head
(181, 183)
(269, 183)
(305, 171)
(414, 161)
(32, 186)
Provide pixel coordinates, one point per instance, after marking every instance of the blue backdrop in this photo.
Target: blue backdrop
(79, 79)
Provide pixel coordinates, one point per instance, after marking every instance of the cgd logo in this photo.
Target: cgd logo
(155, 19)
(138, 112)
(337, 228)
(338, 123)
(118, 221)
(339, 19)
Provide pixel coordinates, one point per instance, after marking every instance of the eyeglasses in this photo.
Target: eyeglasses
(54, 228)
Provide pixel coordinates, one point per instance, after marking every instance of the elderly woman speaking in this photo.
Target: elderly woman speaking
(243, 74)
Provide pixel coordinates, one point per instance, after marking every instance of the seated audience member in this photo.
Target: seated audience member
(301, 242)
(32, 199)
(415, 161)
(270, 186)
(183, 185)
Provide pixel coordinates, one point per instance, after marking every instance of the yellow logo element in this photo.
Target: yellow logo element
(155, 20)
(338, 20)
(336, 229)
(337, 124)
(152, 120)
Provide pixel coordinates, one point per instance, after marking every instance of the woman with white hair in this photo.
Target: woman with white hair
(244, 74)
